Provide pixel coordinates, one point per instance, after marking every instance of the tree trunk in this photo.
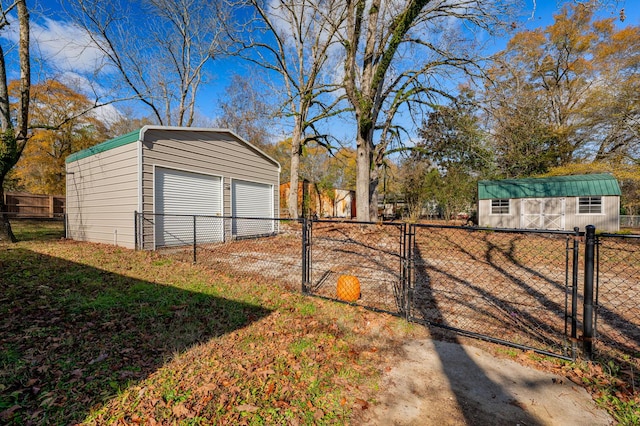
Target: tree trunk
(373, 193)
(295, 170)
(6, 234)
(363, 176)
(13, 140)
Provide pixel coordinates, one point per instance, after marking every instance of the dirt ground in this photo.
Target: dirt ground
(506, 285)
(441, 383)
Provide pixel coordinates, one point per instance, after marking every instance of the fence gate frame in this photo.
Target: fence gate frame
(571, 286)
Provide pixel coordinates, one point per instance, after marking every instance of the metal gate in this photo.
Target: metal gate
(375, 253)
(515, 288)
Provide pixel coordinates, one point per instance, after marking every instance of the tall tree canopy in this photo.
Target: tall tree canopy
(398, 56)
(566, 93)
(245, 110)
(296, 41)
(160, 58)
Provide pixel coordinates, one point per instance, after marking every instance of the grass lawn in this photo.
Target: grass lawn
(37, 230)
(97, 334)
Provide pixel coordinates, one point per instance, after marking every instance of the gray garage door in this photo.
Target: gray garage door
(178, 196)
(249, 200)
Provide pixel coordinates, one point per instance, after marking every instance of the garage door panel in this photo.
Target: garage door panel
(180, 195)
(252, 200)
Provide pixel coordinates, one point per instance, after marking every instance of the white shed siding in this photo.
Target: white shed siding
(486, 219)
(102, 196)
(607, 221)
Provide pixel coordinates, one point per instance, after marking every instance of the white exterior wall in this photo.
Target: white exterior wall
(102, 196)
(608, 220)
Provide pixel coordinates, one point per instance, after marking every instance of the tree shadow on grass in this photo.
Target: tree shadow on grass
(38, 229)
(72, 336)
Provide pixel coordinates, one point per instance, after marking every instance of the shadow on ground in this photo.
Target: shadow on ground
(72, 336)
(472, 409)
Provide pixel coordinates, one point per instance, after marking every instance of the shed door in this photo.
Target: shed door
(542, 213)
(180, 195)
(252, 200)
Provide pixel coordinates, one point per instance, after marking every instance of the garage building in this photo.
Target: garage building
(559, 203)
(167, 174)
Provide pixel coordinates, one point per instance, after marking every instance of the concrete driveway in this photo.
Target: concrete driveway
(440, 383)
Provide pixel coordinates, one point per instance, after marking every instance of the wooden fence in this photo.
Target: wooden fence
(25, 205)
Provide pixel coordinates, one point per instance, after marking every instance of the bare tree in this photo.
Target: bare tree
(160, 58)
(400, 56)
(14, 137)
(246, 111)
(297, 39)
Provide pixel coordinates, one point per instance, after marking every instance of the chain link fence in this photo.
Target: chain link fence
(617, 297)
(262, 248)
(496, 284)
(628, 221)
(373, 253)
(518, 287)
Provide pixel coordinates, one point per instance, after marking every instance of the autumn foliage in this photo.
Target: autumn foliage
(61, 127)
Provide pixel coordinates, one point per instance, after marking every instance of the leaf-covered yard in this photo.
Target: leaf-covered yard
(97, 334)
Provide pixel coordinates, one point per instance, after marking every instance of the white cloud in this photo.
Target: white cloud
(66, 46)
(108, 114)
(82, 84)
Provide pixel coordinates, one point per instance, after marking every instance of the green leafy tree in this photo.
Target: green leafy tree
(449, 159)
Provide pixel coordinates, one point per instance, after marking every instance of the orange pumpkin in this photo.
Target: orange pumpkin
(348, 288)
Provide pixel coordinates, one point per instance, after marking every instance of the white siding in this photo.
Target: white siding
(558, 211)
(102, 196)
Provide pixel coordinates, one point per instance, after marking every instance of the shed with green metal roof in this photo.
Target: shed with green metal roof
(138, 188)
(557, 202)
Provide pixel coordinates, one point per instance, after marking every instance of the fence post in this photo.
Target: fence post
(306, 254)
(194, 238)
(135, 230)
(589, 262)
(403, 270)
(303, 252)
(410, 232)
(574, 291)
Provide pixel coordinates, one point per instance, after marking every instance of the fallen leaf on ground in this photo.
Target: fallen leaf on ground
(247, 407)
(361, 404)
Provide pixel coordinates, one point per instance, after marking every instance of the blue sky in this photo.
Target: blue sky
(54, 32)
